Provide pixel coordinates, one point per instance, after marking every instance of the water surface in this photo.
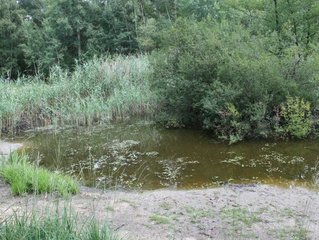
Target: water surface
(141, 155)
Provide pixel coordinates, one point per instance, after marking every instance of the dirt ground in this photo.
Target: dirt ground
(6, 148)
(230, 212)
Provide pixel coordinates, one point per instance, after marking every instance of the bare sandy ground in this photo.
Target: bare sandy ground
(230, 212)
(7, 148)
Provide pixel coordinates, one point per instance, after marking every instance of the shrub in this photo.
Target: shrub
(297, 117)
(223, 79)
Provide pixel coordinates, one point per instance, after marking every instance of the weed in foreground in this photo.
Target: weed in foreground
(196, 214)
(159, 219)
(27, 178)
(55, 226)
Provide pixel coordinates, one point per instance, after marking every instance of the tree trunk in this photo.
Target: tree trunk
(79, 42)
(277, 16)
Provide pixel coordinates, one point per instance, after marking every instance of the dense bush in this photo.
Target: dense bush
(228, 82)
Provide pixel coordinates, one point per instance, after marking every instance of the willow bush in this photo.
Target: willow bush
(228, 82)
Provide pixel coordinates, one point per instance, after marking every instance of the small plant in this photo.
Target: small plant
(27, 178)
(196, 214)
(240, 216)
(166, 206)
(159, 219)
(298, 233)
(239, 222)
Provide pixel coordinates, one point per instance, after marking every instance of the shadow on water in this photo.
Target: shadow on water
(141, 155)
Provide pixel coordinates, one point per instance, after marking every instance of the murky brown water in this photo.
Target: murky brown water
(142, 155)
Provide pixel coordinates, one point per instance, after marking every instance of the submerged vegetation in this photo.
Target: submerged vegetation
(23, 177)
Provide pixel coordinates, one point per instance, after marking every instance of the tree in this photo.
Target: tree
(12, 35)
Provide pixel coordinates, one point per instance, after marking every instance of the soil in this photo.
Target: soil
(7, 148)
(234, 211)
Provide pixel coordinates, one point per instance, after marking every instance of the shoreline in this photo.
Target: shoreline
(6, 148)
(244, 211)
(247, 211)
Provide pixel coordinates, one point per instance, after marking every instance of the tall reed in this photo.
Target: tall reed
(98, 91)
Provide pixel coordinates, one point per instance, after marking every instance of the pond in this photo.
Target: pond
(145, 156)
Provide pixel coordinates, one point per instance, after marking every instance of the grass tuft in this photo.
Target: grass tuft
(159, 219)
(55, 226)
(27, 178)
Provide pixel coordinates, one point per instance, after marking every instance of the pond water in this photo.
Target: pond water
(141, 155)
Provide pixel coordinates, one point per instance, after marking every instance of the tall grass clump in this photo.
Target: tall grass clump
(24, 177)
(97, 91)
(54, 226)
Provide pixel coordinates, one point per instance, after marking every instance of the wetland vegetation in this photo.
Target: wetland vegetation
(131, 94)
(143, 155)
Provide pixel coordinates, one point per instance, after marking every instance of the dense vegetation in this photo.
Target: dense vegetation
(238, 68)
(98, 91)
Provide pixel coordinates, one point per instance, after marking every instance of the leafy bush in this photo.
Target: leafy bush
(296, 113)
(223, 79)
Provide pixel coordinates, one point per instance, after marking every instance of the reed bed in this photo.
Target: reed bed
(98, 91)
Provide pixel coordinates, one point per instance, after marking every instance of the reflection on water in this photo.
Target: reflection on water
(144, 156)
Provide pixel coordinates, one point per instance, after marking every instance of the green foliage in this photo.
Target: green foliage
(225, 66)
(218, 77)
(297, 117)
(184, 68)
(54, 225)
(11, 32)
(26, 178)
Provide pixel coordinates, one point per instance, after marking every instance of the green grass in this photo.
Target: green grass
(238, 222)
(196, 214)
(159, 219)
(53, 226)
(27, 178)
(240, 216)
(98, 91)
